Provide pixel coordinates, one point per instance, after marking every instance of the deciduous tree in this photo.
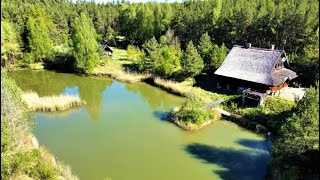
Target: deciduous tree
(85, 45)
(10, 48)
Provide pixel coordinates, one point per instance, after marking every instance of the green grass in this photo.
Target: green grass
(119, 54)
(186, 89)
(112, 68)
(272, 114)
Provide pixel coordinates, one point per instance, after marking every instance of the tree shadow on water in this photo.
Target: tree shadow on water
(161, 115)
(263, 145)
(244, 164)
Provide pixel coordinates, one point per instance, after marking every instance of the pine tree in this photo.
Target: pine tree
(151, 48)
(192, 62)
(300, 133)
(85, 46)
(109, 38)
(218, 56)
(204, 48)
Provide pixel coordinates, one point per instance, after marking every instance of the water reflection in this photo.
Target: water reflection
(47, 83)
(90, 89)
(155, 98)
(130, 138)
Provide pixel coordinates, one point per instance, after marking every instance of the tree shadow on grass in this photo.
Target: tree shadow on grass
(239, 164)
(179, 76)
(131, 67)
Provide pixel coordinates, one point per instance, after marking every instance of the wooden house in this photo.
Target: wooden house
(107, 51)
(255, 70)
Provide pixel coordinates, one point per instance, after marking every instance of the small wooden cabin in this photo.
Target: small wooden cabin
(107, 51)
(255, 68)
(261, 70)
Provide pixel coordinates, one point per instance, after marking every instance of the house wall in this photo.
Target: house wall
(276, 88)
(238, 85)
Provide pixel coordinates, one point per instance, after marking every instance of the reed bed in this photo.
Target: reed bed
(129, 77)
(51, 103)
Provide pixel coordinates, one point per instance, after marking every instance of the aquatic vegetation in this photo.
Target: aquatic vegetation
(50, 103)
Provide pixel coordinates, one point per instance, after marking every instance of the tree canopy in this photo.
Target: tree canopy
(191, 61)
(85, 45)
(10, 48)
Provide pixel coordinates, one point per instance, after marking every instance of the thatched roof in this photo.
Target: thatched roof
(255, 65)
(106, 47)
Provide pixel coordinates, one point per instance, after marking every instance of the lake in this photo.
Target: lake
(122, 133)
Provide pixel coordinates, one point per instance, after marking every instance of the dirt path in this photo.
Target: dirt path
(290, 93)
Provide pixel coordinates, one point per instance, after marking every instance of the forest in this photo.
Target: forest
(50, 31)
(174, 40)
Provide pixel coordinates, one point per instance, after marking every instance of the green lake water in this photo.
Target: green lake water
(122, 134)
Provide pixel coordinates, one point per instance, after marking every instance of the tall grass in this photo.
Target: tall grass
(50, 103)
(115, 71)
(188, 90)
(172, 86)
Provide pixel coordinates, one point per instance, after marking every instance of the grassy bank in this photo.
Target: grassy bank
(21, 156)
(186, 89)
(113, 69)
(51, 103)
(268, 118)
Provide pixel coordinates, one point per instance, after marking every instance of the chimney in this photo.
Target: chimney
(248, 45)
(272, 46)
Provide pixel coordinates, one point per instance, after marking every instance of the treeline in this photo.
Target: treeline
(292, 25)
(165, 58)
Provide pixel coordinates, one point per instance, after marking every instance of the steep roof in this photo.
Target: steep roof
(106, 47)
(255, 65)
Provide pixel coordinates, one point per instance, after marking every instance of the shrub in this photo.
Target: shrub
(13, 109)
(277, 105)
(192, 111)
(19, 160)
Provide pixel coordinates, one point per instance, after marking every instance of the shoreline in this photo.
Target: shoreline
(149, 79)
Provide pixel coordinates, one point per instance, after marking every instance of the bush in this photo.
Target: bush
(13, 109)
(192, 111)
(277, 105)
(19, 158)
